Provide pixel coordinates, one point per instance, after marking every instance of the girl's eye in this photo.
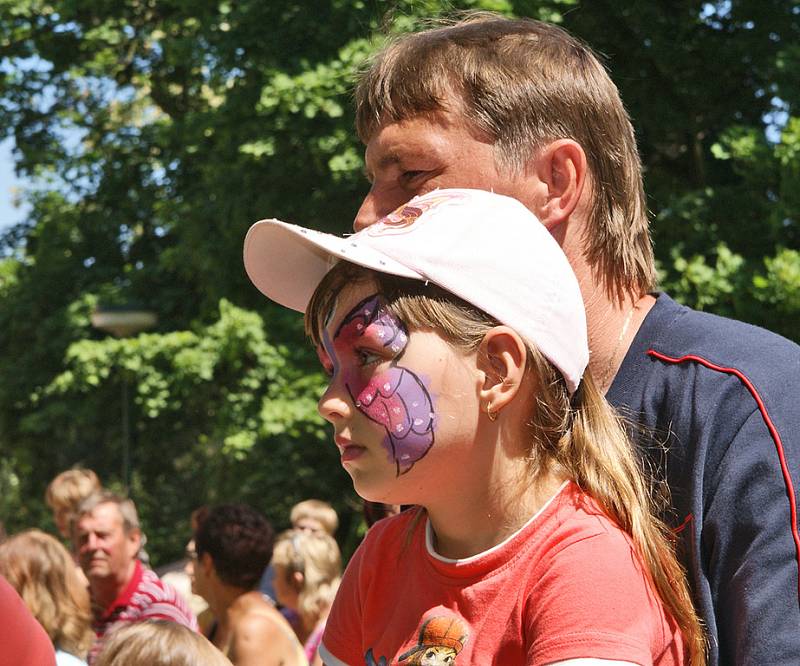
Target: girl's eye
(367, 357)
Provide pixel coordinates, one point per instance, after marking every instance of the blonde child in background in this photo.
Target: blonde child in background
(308, 570)
(65, 492)
(454, 334)
(158, 643)
(315, 516)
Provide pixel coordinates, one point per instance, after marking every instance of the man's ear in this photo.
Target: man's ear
(134, 539)
(562, 171)
(206, 562)
(502, 358)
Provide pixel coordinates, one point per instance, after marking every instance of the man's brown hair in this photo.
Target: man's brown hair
(524, 84)
(125, 506)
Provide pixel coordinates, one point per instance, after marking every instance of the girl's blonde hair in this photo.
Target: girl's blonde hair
(581, 436)
(317, 557)
(158, 643)
(41, 570)
(70, 488)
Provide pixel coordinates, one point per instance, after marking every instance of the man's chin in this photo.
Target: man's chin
(98, 571)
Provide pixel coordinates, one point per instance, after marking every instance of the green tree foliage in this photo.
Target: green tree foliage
(157, 131)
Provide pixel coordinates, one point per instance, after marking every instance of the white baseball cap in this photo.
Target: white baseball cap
(487, 249)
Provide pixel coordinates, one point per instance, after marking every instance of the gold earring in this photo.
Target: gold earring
(492, 415)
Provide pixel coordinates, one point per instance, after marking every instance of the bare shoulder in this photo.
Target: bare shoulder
(261, 635)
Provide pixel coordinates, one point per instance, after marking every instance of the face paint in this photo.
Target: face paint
(396, 397)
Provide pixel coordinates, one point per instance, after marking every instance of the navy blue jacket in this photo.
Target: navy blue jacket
(724, 397)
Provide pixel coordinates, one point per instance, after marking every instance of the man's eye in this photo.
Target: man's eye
(409, 176)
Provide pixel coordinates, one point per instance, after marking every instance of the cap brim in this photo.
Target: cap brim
(286, 262)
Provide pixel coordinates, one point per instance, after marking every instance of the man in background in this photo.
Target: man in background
(233, 545)
(122, 590)
(524, 109)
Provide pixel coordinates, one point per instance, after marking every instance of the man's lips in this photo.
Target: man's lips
(347, 449)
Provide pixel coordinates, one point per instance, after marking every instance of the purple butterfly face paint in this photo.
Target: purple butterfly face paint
(393, 397)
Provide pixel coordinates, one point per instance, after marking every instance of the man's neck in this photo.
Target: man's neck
(223, 600)
(106, 590)
(612, 325)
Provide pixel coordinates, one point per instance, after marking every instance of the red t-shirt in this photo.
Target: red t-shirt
(22, 638)
(145, 597)
(567, 585)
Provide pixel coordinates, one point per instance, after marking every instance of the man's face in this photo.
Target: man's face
(415, 156)
(104, 549)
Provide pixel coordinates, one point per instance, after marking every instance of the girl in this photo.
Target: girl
(454, 335)
(308, 569)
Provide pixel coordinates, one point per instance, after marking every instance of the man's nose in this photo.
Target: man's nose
(379, 202)
(368, 213)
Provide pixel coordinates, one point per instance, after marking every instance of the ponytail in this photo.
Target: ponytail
(587, 439)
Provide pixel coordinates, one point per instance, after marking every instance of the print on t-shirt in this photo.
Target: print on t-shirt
(441, 638)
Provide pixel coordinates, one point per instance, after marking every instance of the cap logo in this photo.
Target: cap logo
(407, 216)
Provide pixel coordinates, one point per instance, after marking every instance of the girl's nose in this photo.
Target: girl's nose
(335, 404)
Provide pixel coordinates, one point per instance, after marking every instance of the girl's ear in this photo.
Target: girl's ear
(297, 580)
(502, 358)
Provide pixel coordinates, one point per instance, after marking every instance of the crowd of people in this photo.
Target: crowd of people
(502, 365)
(98, 602)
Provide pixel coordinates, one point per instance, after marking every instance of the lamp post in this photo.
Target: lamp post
(122, 322)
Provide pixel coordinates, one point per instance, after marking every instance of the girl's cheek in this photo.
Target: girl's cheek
(366, 392)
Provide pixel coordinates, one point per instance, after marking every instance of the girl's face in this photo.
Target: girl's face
(398, 399)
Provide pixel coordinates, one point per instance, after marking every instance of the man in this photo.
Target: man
(121, 588)
(524, 109)
(233, 545)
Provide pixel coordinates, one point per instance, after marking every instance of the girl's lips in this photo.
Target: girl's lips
(348, 450)
(351, 452)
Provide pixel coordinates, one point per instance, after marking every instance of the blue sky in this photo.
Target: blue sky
(8, 214)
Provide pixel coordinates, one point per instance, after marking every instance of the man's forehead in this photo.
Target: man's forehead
(106, 514)
(394, 140)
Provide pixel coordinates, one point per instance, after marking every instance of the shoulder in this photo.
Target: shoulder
(581, 529)
(260, 627)
(586, 549)
(593, 589)
(159, 600)
(256, 624)
(721, 343)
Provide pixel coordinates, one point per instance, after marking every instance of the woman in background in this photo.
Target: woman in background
(42, 572)
(308, 569)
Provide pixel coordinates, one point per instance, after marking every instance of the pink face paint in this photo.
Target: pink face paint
(395, 398)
